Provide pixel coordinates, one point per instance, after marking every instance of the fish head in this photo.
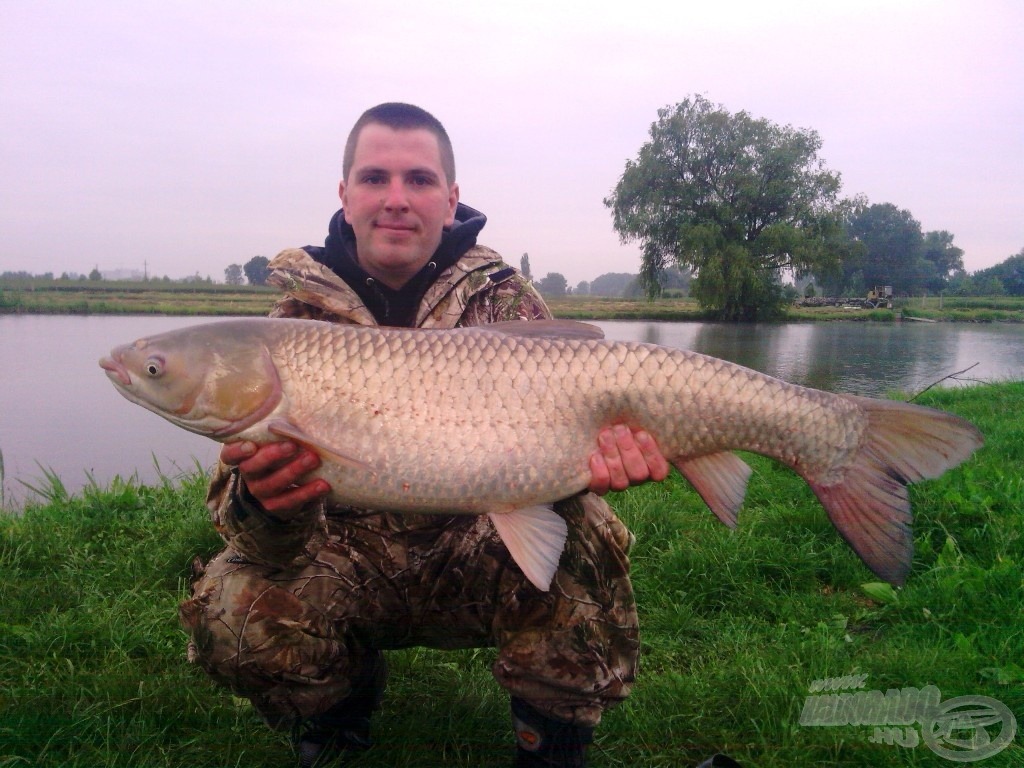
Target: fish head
(201, 379)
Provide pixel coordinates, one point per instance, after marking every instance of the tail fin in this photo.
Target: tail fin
(869, 505)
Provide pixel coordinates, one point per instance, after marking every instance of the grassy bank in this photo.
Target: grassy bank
(74, 297)
(735, 626)
(166, 298)
(602, 308)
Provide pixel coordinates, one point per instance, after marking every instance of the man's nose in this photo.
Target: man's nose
(395, 196)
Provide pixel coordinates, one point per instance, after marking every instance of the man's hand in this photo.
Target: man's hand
(272, 473)
(625, 457)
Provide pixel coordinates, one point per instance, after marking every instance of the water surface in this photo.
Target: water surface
(58, 411)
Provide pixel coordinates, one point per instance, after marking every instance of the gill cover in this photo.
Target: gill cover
(241, 388)
(214, 385)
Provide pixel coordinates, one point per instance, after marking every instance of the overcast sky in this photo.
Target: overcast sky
(192, 135)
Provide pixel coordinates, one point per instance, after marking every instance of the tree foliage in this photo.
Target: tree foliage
(892, 250)
(611, 284)
(893, 246)
(1008, 275)
(233, 274)
(945, 259)
(735, 198)
(524, 266)
(553, 284)
(256, 271)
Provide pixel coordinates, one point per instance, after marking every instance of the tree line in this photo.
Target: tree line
(741, 202)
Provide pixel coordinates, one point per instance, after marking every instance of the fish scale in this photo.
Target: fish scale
(549, 405)
(503, 419)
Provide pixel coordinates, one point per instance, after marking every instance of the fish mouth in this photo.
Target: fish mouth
(116, 371)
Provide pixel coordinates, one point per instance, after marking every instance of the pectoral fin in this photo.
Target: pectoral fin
(535, 537)
(721, 480)
(286, 429)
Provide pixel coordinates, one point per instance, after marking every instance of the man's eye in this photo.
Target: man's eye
(422, 181)
(375, 178)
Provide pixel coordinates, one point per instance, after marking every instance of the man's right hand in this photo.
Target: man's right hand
(272, 473)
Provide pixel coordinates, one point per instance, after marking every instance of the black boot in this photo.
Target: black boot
(346, 725)
(545, 743)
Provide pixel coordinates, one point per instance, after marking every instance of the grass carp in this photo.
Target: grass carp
(502, 419)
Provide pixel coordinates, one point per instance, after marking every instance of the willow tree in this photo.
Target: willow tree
(736, 199)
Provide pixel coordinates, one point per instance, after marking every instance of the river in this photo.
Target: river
(59, 414)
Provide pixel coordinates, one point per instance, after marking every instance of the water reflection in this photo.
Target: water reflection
(858, 358)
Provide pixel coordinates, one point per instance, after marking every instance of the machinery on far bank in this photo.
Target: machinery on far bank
(879, 297)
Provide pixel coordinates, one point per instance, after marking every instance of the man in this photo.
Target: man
(295, 612)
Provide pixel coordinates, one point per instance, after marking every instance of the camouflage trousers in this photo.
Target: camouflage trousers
(292, 640)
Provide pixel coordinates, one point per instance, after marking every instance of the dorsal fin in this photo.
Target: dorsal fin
(545, 329)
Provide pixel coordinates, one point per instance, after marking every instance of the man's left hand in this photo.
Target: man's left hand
(625, 457)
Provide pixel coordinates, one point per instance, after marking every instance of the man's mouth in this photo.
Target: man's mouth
(395, 226)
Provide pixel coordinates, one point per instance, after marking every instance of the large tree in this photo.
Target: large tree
(256, 270)
(947, 260)
(553, 284)
(734, 198)
(233, 274)
(893, 248)
(524, 266)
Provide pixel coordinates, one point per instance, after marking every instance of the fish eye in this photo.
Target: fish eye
(154, 367)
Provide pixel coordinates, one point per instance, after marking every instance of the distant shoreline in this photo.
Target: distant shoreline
(202, 299)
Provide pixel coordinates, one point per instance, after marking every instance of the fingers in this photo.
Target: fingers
(651, 456)
(626, 464)
(273, 472)
(625, 458)
(235, 453)
(293, 498)
(600, 476)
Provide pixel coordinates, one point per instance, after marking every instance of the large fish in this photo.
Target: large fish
(502, 419)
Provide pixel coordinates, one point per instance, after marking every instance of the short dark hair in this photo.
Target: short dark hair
(401, 117)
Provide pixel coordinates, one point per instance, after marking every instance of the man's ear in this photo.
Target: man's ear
(453, 203)
(344, 200)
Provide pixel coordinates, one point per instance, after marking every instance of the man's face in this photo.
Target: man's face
(397, 199)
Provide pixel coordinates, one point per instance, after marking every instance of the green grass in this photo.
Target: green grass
(603, 308)
(40, 296)
(736, 625)
(124, 297)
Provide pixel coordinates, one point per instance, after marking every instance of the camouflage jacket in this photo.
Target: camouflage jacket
(477, 289)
